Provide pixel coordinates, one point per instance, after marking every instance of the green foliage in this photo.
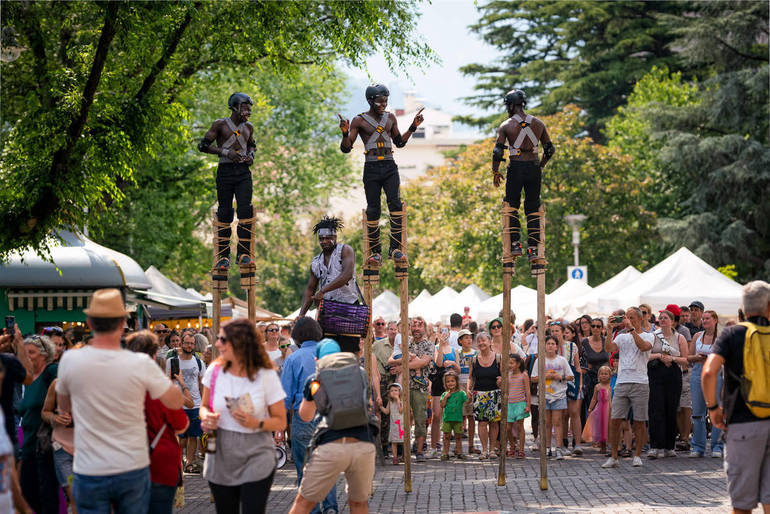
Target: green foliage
(583, 52)
(85, 105)
(455, 214)
(728, 271)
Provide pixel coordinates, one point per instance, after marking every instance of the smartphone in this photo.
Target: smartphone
(174, 367)
(445, 331)
(10, 324)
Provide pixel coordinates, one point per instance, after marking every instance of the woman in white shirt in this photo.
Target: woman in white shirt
(243, 402)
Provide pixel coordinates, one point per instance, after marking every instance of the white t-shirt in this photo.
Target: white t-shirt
(632, 363)
(265, 390)
(397, 346)
(190, 373)
(555, 389)
(6, 452)
(453, 339)
(107, 388)
(274, 354)
(531, 340)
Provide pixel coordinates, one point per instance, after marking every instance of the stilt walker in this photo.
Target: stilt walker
(508, 271)
(402, 274)
(234, 137)
(523, 133)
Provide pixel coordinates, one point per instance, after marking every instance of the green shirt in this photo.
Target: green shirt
(453, 410)
(382, 350)
(31, 408)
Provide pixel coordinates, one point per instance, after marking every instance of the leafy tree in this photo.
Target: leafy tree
(583, 52)
(455, 214)
(84, 105)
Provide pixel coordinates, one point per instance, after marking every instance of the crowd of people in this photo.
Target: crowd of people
(117, 420)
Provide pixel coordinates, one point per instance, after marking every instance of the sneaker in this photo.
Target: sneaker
(652, 454)
(374, 259)
(244, 260)
(637, 462)
(535, 446)
(669, 453)
(566, 451)
(717, 454)
(398, 256)
(559, 454)
(516, 249)
(331, 510)
(431, 454)
(577, 450)
(444, 456)
(694, 454)
(223, 264)
(532, 254)
(419, 457)
(611, 463)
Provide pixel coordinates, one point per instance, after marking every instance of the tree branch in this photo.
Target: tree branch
(31, 24)
(738, 52)
(171, 46)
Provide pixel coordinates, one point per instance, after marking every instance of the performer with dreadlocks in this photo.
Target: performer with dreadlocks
(235, 147)
(522, 132)
(333, 273)
(379, 132)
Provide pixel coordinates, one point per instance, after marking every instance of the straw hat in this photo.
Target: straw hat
(106, 303)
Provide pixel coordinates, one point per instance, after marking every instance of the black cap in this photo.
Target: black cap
(698, 305)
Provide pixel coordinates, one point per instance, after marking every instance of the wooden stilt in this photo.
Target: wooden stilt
(402, 274)
(369, 281)
(249, 271)
(218, 281)
(539, 271)
(508, 271)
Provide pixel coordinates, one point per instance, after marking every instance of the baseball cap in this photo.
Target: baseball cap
(326, 347)
(674, 309)
(464, 332)
(698, 305)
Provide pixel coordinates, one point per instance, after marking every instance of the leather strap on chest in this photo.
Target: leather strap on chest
(525, 131)
(238, 134)
(380, 139)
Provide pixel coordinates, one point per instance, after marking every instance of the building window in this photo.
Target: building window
(420, 134)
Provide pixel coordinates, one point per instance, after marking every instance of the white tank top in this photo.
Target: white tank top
(328, 274)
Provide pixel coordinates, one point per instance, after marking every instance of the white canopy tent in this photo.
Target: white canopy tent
(386, 305)
(420, 302)
(559, 301)
(523, 303)
(680, 278)
(472, 296)
(589, 302)
(439, 307)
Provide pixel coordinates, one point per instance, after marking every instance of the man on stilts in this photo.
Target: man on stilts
(379, 132)
(523, 133)
(333, 273)
(235, 147)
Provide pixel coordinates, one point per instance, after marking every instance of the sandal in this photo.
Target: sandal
(484, 456)
(223, 264)
(520, 454)
(189, 469)
(374, 259)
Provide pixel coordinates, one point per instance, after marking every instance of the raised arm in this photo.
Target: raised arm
(349, 133)
(400, 140)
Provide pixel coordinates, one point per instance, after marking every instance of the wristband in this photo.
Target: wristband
(261, 422)
(345, 134)
(713, 407)
(412, 128)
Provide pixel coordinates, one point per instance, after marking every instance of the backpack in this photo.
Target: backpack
(173, 355)
(755, 381)
(342, 401)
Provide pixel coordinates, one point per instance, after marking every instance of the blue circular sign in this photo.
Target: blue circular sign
(577, 273)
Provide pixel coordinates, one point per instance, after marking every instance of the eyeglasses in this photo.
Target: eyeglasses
(596, 326)
(494, 327)
(272, 330)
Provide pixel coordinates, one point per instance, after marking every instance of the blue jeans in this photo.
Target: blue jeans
(161, 499)
(301, 433)
(698, 440)
(127, 492)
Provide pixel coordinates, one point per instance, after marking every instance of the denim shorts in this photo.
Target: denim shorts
(556, 404)
(63, 464)
(194, 430)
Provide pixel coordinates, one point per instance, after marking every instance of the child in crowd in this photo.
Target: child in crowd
(452, 400)
(395, 410)
(518, 405)
(557, 374)
(597, 427)
(467, 353)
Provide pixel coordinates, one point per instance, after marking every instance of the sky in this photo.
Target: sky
(444, 26)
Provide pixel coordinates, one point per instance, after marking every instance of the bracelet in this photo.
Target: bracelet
(345, 134)
(713, 407)
(261, 422)
(412, 128)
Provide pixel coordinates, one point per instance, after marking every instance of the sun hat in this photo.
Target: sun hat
(106, 303)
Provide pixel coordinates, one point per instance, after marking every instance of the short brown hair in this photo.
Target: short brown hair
(248, 346)
(143, 341)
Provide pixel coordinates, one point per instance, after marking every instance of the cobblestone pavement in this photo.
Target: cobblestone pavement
(576, 484)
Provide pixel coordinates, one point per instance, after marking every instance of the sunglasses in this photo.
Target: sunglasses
(554, 323)
(493, 327)
(380, 324)
(644, 313)
(220, 338)
(596, 326)
(162, 331)
(282, 346)
(271, 330)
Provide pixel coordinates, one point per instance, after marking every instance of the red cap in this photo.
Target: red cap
(674, 309)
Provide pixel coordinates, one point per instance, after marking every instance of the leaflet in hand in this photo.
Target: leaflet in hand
(242, 403)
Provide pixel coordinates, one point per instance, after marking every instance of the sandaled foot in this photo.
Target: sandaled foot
(223, 264)
(516, 249)
(244, 260)
(374, 259)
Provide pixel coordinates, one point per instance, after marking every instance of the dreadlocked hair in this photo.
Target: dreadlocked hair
(328, 222)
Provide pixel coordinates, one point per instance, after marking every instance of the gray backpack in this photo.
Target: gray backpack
(342, 398)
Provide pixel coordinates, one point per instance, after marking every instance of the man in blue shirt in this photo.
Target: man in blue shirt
(296, 369)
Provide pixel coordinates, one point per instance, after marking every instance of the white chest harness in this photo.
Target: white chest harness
(239, 135)
(380, 139)
(526, 131)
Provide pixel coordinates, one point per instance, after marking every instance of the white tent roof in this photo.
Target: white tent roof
(523, 303)
(439, 307)
(589, 303)
(309, 314)
(680, 278)
(420, 302)
(558, 302)
(386, 305)
(472, 296)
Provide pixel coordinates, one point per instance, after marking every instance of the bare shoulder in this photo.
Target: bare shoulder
(347, 250)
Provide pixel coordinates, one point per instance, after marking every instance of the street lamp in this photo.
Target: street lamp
(575, 221)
